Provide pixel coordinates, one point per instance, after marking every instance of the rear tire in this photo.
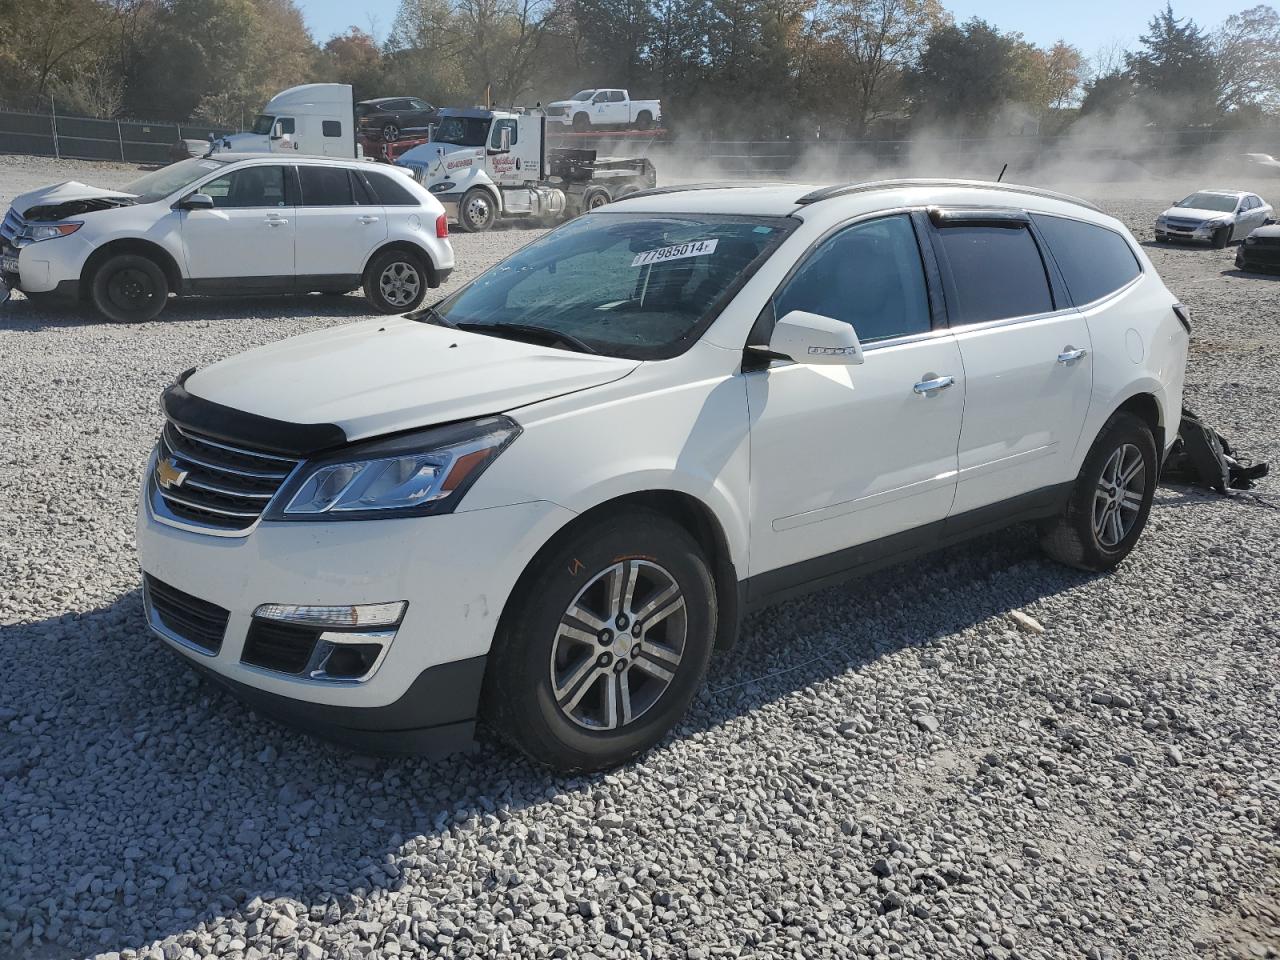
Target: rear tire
(604, 645)
(395, 281)
(1110, 500)
(129, 288)
(595, 199)
(644, 120)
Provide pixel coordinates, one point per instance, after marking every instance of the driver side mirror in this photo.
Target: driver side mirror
(277, 131)
(812, 338)
(504, 140)
(196, 201)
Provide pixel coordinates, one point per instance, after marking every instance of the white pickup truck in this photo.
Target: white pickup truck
(604, 108)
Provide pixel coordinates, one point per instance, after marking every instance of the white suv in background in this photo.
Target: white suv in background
(230, 224)
(545, 500)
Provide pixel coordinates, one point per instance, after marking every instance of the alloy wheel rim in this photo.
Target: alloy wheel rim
(400, 283)
(619, 645)
(477, 211)
(1117, 500)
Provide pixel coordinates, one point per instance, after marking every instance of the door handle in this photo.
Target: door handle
(368, 219)
(929, 386)
(1071, 354)
(276, 221)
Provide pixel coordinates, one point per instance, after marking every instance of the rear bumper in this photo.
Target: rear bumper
(435, 716)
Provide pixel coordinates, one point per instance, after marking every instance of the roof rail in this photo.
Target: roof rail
(843, 190)
(709, 185)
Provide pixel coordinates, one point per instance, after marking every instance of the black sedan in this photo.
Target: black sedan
(1260, 251)
(391, 117)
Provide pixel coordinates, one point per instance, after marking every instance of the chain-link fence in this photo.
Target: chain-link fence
(85, 138)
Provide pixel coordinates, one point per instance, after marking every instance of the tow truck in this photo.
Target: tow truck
(488, 165)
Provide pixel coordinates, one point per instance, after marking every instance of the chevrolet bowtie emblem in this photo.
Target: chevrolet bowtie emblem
(169, 474)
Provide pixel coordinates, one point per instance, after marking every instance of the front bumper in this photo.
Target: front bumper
(456, 571)
(1201, 234)
(1263, 258)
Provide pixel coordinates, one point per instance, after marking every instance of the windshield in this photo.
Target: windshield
(167, 180)
(583, 95)
(263, 124)
(634, 285)
(464, 131)
(1209, 201)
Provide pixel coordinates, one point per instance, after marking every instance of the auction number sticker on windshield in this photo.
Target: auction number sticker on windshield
(694, 248)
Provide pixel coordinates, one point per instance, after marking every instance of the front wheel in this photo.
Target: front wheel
(395, 281)
(605, 644)
(476, 212)
(129, 288)
(581, 123)
(1110, 500)
(1221, 237)
(390, 132)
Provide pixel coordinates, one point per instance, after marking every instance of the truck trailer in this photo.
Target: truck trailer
(491, 165)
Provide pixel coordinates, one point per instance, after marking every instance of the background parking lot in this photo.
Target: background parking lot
(891, 767)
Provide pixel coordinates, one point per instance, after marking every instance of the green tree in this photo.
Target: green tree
(1247, 49)
(1107, 94)
(50, 42)
(354, 57)
(1175, 72)
(969, 74)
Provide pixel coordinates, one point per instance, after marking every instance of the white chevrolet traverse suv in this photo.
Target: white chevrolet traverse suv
(546, 500)
(229, 224)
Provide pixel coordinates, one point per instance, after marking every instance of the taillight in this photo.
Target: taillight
(442, 226)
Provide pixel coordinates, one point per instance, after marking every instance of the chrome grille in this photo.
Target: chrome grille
(213, 485)
(557, 111)
(1183, 224)
(11, 227)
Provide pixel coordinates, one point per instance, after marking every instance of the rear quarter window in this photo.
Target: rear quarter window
(390, 193)
(1094, 261)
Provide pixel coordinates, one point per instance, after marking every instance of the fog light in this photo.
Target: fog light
(351, 617)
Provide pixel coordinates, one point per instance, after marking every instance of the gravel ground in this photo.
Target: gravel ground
(894, 767)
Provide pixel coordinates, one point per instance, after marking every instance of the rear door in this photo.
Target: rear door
(1028, 364)
(246, 241)
(339, 226)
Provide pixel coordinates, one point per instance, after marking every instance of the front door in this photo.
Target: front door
(247, 240)
(843, 456)
(1027, 360)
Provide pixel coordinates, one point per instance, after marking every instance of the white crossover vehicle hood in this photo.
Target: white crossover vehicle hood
(380, 376)
(62, 193)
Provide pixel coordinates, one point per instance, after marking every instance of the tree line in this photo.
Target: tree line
(753, 69)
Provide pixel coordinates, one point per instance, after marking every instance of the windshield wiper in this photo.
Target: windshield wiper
(532, 332)
(432, 315)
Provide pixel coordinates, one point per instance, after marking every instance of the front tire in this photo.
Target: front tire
(604, 645)
(395, 281)
(390, 132)
(1221, 237)
(581, 123)
(476, 212)
(1110, 500)
(129, 288)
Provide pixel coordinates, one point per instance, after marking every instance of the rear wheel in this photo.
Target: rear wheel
(605, 644)
(395, 281)
(129, 288)
(644, 120)
(595, 199)
(1111, 498)
(477, 211)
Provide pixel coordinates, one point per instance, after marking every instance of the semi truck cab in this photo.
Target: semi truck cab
(486, 165)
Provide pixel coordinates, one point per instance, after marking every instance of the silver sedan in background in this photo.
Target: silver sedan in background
(1216, 216)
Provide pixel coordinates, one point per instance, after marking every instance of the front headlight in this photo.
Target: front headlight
(417, 474)
(35, 232)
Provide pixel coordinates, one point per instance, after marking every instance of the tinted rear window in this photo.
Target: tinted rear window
(997, 272)
(1094, 261)
(325, 187)
(390, 193)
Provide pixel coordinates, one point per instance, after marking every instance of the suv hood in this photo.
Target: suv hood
(381, 376)
(1193, 213)
(68, 199)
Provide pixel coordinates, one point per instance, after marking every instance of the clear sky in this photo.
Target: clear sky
(1089, 24)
